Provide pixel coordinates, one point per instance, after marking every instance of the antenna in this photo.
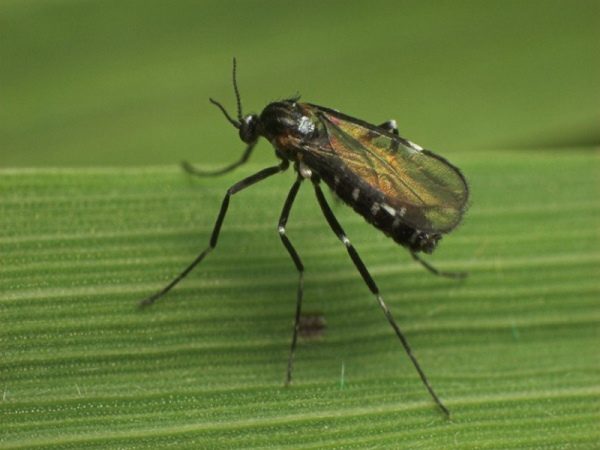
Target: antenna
(236, 123)
(237, 92)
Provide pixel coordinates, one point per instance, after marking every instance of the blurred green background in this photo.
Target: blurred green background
(507, 90)
(112, 83)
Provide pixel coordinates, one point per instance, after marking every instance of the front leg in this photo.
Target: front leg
(237, 187)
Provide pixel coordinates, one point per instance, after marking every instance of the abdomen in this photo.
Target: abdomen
(370, 203)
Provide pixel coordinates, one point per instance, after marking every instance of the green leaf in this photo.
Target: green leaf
(512, 350)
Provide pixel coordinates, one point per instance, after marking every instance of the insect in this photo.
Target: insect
(411, 194)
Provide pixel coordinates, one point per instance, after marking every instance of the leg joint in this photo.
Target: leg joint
(345, 241)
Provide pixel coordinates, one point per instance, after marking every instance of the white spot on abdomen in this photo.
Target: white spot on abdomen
(305, 125)
(391, 211)
(355, 193)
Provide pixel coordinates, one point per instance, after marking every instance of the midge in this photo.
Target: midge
(411, 194)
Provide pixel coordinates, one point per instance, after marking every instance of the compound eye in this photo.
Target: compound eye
(248, 129)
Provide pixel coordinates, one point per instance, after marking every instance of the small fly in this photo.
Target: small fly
(411, 194)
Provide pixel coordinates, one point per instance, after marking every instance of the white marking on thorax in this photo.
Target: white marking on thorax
(355, 193)
(305, 125)
(402, 211)
(304, 170)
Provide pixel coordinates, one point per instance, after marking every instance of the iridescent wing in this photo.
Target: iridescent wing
(426, 191)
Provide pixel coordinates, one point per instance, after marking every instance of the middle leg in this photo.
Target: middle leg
(283, 218)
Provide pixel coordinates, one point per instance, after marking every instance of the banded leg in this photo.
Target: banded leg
(337, 229)
(237, 187)
(283, 218)
(435, 271)
(212, 173)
